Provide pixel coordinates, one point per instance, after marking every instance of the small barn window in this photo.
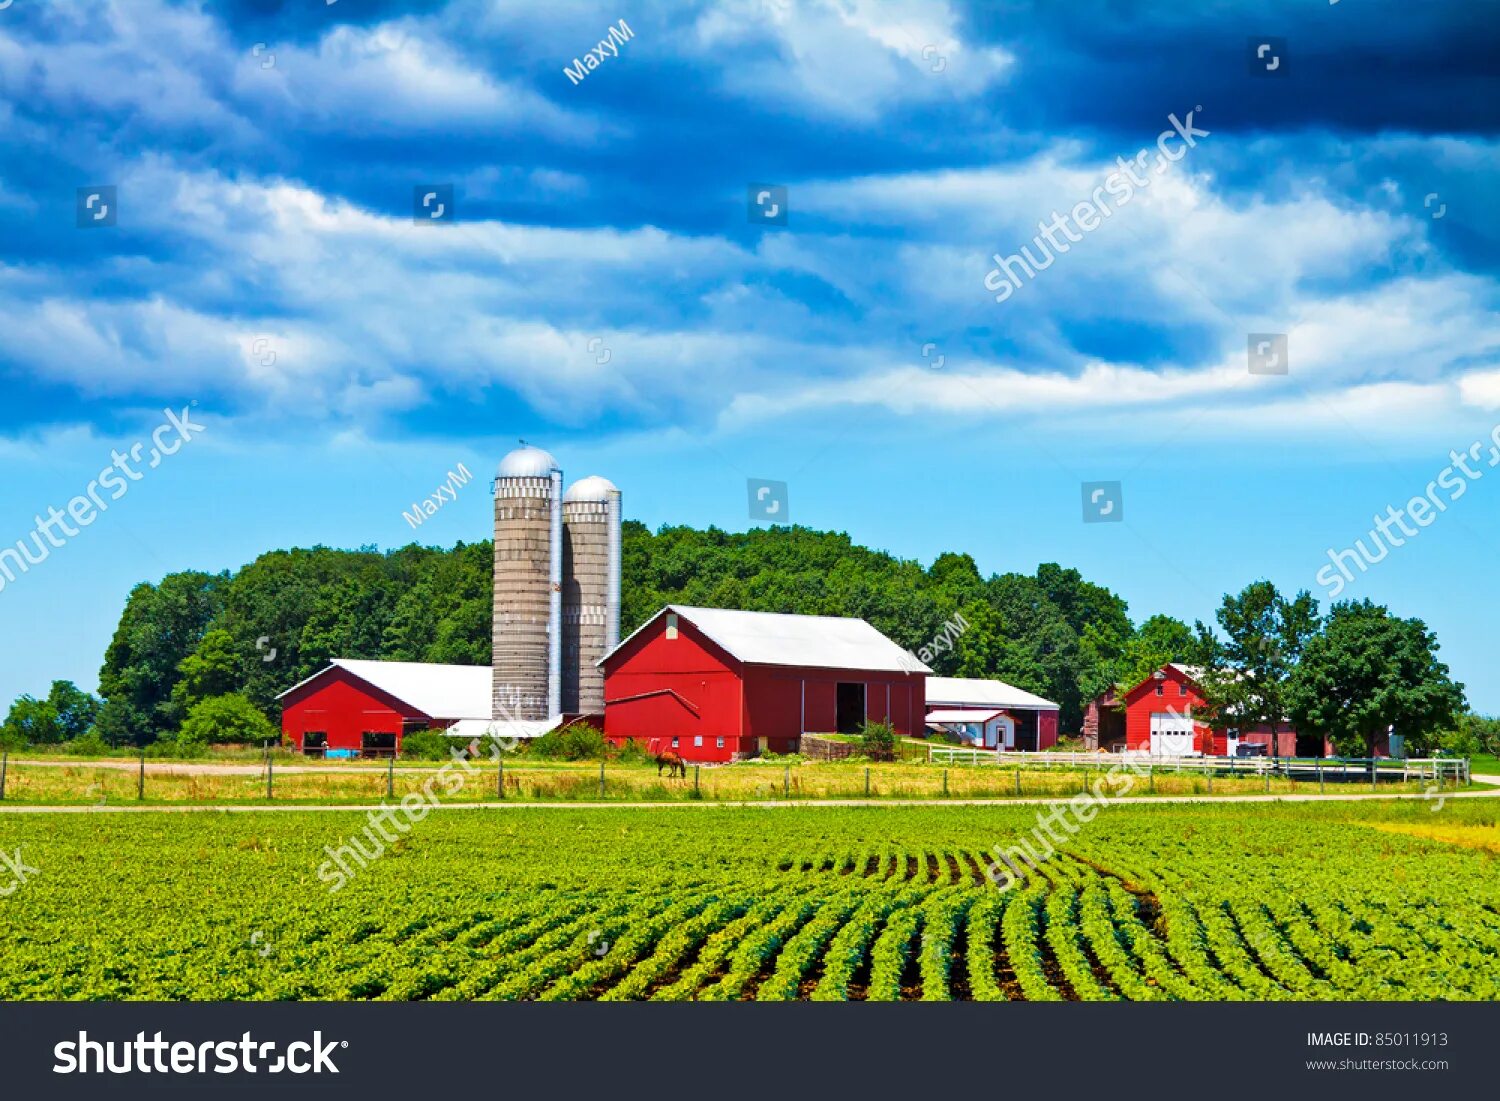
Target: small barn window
(719, 743)
(1160, 690)
(674, 743)
(698, 740)
(671, 624)
(1182, 688)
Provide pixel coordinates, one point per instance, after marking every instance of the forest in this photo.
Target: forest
(196, 654)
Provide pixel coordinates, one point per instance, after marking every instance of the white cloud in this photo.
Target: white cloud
(853, 58)
(1481, 388)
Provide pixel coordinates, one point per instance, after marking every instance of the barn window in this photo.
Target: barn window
(671, 624)
(719, 742)
(698, 740)
(1182, 688)
(1160, 691)
(674, 743)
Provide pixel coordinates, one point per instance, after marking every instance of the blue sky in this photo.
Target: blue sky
(264, 270)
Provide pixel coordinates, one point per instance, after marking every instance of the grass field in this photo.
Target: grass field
(84, 783)
(1376, 901)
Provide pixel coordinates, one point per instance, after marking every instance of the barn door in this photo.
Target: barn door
(1171, 735)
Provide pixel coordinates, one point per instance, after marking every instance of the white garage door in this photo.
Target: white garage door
(1172, 735)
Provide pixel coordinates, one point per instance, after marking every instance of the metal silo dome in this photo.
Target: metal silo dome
(592, 488)
(527, 462)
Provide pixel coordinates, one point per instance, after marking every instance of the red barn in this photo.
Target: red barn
(362, 708)
(713, 684)
(1162, 716)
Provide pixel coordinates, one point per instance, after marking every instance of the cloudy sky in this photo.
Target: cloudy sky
(602, 284)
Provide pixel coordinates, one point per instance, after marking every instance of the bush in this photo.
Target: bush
(631, 752)
(577, 743)
(878, 741)
(231, 718)
(88, 744)
(427, 745)
(172, 747)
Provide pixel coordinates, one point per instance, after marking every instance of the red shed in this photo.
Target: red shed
(1160, 718)
(364, 707)
(713, 683)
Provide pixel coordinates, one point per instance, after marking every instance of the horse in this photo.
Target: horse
(672, 761)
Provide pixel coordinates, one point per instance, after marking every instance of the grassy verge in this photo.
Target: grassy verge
(95, 784)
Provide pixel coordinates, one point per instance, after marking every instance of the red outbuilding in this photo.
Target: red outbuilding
(714, 684)
(362, 708)
(1164, 713)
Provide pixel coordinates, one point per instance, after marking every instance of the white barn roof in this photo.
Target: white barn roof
(442, 691)
(976, 692)
(775, 638)
(974, 715)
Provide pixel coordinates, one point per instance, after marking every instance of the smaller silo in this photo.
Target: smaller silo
(591, 590)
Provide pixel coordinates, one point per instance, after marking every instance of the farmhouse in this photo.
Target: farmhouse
(1162, 715)
(991, 713)
(363, 708)
(714, 684)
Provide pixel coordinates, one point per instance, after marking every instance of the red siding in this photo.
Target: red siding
(1141, 702)
(1046, 729)
(1179, 696)
(342, 706)
(658, 688)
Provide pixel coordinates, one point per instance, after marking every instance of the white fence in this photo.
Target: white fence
(1438, 769)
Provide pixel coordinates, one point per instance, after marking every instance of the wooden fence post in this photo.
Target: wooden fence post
(867, 783)
(1151, 777)
(1018, 777)
(786, 783)
(601, 777)
(4, 764)
(1320, 777)
(697, 790)
(140, 784)
(390, 776)
(945, 783)
(499, 776)
(270, 768)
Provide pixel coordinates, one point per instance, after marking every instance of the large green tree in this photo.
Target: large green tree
(161, 625)
(1368, 672)
(1249, 673)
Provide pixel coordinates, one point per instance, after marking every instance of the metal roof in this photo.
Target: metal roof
(975, 715)
(527, 462)
(500, 728)
(977, 692)
(775, 638)
(441, 691)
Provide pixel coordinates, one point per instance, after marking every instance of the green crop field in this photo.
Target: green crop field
(1374, 901)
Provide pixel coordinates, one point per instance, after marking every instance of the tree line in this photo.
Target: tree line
(201, 656)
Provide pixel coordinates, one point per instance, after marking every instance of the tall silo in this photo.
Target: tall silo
(527, 637)
(591, 590)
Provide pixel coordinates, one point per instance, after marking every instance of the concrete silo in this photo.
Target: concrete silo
(591, 590)
(527, 638)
